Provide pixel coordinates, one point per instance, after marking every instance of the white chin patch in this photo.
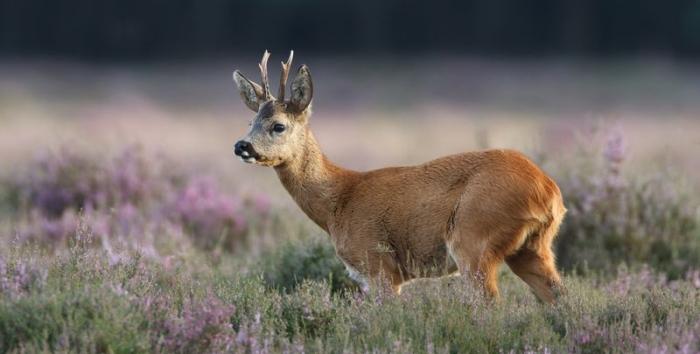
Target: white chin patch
(248, 159)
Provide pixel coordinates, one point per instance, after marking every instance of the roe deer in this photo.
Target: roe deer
(467, 212)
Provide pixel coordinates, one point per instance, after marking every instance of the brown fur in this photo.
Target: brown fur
(468, 212)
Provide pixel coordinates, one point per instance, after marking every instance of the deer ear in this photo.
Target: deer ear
(251, 93)
(302, 90)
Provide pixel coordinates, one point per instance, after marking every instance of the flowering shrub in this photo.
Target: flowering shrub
(57, 182)
(20, 278)
(80, 301)
(311, 311)
(202, 326)
(128, 196)
(209, 214)
(617, 218)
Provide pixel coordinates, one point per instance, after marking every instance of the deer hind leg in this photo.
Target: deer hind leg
(480, 245)
(536, 268)
(476, 262)
(534, 264)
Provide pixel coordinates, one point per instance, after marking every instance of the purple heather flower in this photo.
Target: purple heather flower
(128, 195)
(261, 204)
(201, 326)
(4, 282)
(615, 149)
(207, 211)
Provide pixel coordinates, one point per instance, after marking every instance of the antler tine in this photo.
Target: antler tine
(284, 75)
(263, 74)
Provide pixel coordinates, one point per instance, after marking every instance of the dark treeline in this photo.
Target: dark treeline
(131, 29)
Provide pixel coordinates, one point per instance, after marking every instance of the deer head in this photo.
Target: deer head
(278, 130)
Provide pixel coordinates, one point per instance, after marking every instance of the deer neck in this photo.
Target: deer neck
(313, 181)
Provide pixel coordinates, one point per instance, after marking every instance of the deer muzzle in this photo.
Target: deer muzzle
(245, 151)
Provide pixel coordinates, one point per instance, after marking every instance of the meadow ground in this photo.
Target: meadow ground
(127, 225)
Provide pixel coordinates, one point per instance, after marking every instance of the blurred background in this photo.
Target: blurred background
(177, 29)
(473, 73)
(464, 74)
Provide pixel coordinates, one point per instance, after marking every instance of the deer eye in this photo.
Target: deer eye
(278, 128)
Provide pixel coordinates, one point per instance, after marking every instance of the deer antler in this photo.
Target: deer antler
(285, 73)
(263, 74)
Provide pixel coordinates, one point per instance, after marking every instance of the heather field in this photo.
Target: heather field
(126, 225)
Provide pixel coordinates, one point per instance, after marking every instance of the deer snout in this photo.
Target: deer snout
(241, 147)
(245, 151)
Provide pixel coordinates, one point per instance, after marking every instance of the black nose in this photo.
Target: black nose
(240, 147)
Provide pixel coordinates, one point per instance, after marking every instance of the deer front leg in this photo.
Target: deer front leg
(377, 270)
(386, 274)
